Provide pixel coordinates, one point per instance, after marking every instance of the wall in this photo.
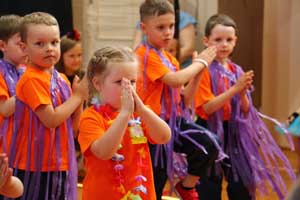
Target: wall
(281, 47)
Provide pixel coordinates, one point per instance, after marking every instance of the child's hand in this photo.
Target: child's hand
(80, 87)
(208, 55)
(5, 171)
(245, 82)
(138, 103)
(127, 101)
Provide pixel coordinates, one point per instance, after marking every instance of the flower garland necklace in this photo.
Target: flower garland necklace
(137, 137)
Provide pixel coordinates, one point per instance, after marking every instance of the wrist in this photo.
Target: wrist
(202, 61)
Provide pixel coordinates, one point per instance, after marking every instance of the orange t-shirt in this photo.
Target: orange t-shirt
(102, 180)
(33, 89)
(4, 95)
(150, 88)
(205, 94)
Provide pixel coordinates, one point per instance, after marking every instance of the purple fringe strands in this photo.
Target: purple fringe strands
(255, 156)
(176, 162)
(54, 178)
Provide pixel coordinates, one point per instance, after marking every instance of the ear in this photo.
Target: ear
(2, 45)
(22, 45)
(205, 41)
(143, 27)
(97, 84)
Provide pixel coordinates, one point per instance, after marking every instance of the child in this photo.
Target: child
(159, 87)
(10, 186)
(70, 61)
(111, 135)
(223, 104)
(9, 74)
(42, 150)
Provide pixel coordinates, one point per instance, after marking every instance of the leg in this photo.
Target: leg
(198, 161)
(159, 171)
(210, 188)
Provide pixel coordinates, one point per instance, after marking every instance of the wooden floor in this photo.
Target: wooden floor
(292, 156)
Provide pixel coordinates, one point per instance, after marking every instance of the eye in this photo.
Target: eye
(39, 44)
(55, 42)
(218, 39)
(118, 82)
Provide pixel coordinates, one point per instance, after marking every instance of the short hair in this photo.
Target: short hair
(36, 18)
(152, 8)
(218, 19)
(9, 25)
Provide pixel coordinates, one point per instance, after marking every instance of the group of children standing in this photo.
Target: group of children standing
(140, 119)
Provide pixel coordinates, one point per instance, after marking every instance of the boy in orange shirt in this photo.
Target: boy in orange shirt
(113, 133)
(159, 87)
(42, 148)
(9, 74)
(223, 104)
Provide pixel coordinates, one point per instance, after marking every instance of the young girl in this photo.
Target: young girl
(70, 61)
(111, 134)
(223, 104)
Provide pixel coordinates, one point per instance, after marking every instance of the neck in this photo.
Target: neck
(223, 62)
(158, 48)
(9, 61)
(70, 72)
(48, 70)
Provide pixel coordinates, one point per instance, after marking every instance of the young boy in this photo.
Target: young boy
(9, 75)
(223, 104)
(42, 149)
(159, 87)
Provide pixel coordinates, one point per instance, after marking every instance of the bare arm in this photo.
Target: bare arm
(189, 91)
(106, 146)
(181, 77)
(243, 83)
(159, 130)
(53, 117)
(187, 42)
(7, 107)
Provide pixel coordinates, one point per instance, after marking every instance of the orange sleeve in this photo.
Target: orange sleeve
(3, 89)
(154, 67)
(203, 94)
(91, 127)
(35, 92)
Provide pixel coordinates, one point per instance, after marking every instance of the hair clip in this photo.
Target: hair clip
(74, 35)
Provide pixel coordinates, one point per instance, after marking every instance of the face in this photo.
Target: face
(73, 59)
(109, 86)
(224, 38)
(159, 30)
(172, 47)
(12, 50)
(42, 45)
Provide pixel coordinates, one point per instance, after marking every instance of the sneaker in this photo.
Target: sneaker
(186, 194)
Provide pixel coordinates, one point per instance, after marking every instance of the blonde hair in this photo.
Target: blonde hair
(98, 64)
(36, 18)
